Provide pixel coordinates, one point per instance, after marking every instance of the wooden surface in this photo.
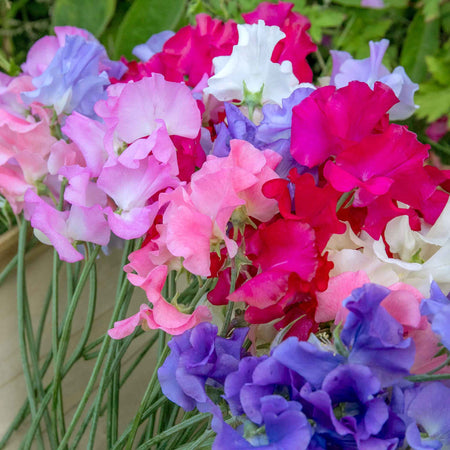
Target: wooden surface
(12, 386)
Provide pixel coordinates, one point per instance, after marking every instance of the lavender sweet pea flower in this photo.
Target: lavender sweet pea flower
(198, 357)
(437, 309)
(429, 410)
(375, 337)
(370, 70)
(72, 81)
(239, 127)
(274, 131)
(154, 45)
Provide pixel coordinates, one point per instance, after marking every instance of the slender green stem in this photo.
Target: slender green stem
(149, 412)
(173, 430)
(64, 342)
(36, 370)
(69, 282)
(36, 420)
(99, 362)
(433, 377)
(21, 298)
(113, 407)
(78, 352)
(230, 305)
(138, 359)
(146, 398)
(55, 344)
(9, 267)
(43, 318)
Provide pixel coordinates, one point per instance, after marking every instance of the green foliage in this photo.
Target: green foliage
(144, 18)
(363, 26)
(421, 41)
(323, 20)
(94, 16)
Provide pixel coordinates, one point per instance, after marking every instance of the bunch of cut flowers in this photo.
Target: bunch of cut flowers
(292, 239)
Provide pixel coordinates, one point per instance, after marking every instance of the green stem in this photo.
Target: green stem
(230, 305)
(21, 298)
(173, 430)
(55, 345)
(99, 362)
(78, 352)
(434, 377)
(36, 370)
(148, 412)
(146, 398)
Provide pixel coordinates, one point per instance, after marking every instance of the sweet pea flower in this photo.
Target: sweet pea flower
(199, 357)
(131, 190)
(370, 70)
(249, 67)
(437, 309)
(63, 229)
(162, 315)
(197, 216)
(154, 45)
(427, 406)
(72, 81)
(419, 256)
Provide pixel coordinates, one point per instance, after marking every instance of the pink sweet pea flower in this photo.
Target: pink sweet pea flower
(163, 315)
(197, 216)
(131, 190)
(63, 228)
(135, 111)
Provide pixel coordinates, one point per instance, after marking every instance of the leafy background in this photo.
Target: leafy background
(419, 32)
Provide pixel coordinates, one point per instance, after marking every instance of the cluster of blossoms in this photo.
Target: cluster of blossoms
(307, 206)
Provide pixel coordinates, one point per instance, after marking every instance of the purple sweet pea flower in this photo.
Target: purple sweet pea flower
(154, 45)
(306, 359)
(72, 81)
(375, 337)
(437, 309)
(370, 70)
(285, 427)
(428, 408)
(239, 127)
(199, 357)
(274, 131)
(349, 412)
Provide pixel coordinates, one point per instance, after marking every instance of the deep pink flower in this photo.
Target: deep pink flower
(189, 54)
(330, 120)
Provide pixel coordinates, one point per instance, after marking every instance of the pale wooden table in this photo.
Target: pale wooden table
(12, 386)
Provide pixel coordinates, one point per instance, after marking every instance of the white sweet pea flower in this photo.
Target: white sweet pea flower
(419, 257)
(249, 67)
(350, 253)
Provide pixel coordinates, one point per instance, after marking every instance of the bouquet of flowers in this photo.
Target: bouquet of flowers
(291, 238)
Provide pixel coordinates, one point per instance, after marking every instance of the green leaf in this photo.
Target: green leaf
(363, 27)
(145, 18)
(434, 101)
(431, 9)
(91, 15)
(422, 40)
(322, 18)
(439, 69)
(445, 17)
